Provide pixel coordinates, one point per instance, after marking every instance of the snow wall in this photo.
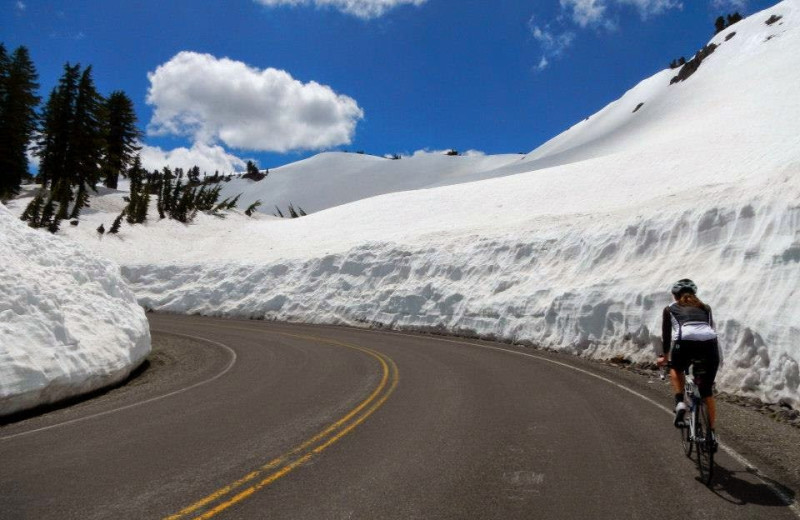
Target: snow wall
(592, 286)
(69, 324)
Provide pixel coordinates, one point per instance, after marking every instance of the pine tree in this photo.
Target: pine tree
(18, 118)
(81, 201)
(117, 223)
(121, 137)
(251, 208)
(33, 210)
(734, 18)
(719, 25)
(57, 122)
(144, 204)
(86, 146)
(47, 213)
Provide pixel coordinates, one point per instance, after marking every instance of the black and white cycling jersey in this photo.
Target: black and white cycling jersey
(686, 323)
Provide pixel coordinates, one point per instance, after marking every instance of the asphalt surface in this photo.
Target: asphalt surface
(252, 420)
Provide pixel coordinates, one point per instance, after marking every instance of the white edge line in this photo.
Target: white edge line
(790, 502)
(152, 399)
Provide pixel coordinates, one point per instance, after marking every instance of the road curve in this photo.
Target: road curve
(257, 420)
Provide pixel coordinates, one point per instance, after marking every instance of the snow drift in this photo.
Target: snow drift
(68, 322)
(572, 247)
(336, 178)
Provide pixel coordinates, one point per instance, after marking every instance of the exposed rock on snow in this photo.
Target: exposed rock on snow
(68, 322)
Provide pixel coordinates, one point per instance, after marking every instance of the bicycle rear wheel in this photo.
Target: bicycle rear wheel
(703, 442)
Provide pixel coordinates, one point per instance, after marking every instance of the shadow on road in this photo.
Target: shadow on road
(72, 401)
(731, 487)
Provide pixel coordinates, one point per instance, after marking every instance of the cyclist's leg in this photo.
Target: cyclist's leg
(678, 363)
(711, 405)
(707, 363)
(678, 380)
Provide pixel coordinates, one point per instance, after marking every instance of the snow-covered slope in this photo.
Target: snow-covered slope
(573, 247)
(68, 322)
(335, 178)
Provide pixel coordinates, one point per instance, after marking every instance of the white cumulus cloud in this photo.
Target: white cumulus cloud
(209, 158)
(361, 8)
(222, 100)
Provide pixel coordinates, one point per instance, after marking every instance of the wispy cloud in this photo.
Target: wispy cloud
(20, 6)
(558, 34)
(80, 35)
(553, 42)
(585, 12)
(365, 9)
(730, 4)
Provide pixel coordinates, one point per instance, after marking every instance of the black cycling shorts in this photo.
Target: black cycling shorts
(703, 355)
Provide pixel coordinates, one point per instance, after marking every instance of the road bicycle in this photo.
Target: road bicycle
(696, 434)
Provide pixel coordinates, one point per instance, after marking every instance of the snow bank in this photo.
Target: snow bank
(591, 286)
(68, 322)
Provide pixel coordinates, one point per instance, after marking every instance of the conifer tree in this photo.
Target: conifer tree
(117, 223)
(86, 147)
(121, 137)
(251, 208)
(18, 118)
(81, 201)
(57, 121)
(719, 25)
(47, 213)
(33, 210)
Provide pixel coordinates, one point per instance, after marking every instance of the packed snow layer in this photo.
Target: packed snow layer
(69, 324)
(573, 247)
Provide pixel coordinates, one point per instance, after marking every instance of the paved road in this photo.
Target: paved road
(252, 420)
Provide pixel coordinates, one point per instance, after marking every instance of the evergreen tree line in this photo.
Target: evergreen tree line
(723, 23)
(80, 138)
(720, 24)
(18, 118)
(83, 139)
(293, 213)
(178, 195)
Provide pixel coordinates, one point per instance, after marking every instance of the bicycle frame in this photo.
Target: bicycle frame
(699, 433)
(692, 399)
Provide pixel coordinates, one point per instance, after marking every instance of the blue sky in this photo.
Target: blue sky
(279, 80)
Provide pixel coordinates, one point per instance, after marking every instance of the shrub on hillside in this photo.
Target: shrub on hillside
(692, 65)
(772, 19)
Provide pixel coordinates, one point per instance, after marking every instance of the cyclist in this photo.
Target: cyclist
(688, 328)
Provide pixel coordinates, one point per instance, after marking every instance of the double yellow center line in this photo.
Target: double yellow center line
(262, 477)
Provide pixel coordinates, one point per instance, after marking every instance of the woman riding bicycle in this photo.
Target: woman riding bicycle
(688, 328)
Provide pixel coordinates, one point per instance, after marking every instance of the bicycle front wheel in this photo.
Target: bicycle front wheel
(703, 443)
(686, 439)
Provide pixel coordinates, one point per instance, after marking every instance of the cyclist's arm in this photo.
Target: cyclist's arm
(666, 331)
